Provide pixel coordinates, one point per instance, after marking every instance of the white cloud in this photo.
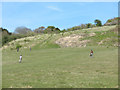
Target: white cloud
(54, 8)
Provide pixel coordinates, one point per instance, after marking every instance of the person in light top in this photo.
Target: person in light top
(20, 59)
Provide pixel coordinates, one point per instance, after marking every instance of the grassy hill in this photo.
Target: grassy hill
(63, 61)
(102, 36)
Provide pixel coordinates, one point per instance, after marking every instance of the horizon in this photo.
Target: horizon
(59, 14)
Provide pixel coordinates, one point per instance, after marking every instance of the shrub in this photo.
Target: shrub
(26, 40)
(18, 46)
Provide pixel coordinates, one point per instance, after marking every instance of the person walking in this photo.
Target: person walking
(91, 53)
(30, 48)
(20, 59)
(17, 49)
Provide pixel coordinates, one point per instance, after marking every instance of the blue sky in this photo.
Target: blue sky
(58, 14)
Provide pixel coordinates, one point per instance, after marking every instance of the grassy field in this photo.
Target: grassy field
(49, 65)
(61, 68)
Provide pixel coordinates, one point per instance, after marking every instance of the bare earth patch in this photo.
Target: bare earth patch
(102, 41)
(72, 41)
(92, 34)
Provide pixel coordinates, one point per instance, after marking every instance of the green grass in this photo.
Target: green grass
(49, 66)
(61, 68)
(102, 36)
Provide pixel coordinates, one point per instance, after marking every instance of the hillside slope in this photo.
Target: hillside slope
(97, 36)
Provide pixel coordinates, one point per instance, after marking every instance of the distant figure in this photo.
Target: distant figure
(20, 60)
(91, 53)
(17, 49)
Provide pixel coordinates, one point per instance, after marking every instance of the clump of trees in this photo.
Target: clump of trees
(7, 36)
(52, 29)
(84, 26)
(49, 29)
(40, 29)
(21, 32)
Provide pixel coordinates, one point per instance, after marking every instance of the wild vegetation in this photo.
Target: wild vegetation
(113, 21)
(21, 32)
(97, 36)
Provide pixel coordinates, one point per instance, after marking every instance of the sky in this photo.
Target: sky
(59, 14)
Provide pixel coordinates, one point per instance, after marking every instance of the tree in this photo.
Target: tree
(4, 36)
(39, 30)
(22, 30)
(56, 30)
(89, 25)
(50, 28)
(98, 22)
(64, 30)
(42, 28)
(4, 32)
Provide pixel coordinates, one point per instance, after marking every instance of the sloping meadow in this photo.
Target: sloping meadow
(97, 36)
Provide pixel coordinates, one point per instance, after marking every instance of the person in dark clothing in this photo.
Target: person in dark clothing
(17, 49)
